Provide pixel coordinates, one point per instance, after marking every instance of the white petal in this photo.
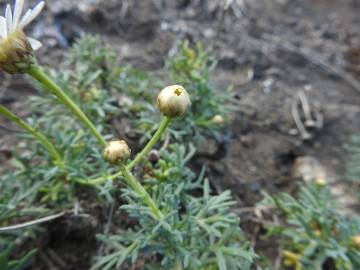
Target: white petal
(24, 18)
(8, 15)
(19, 5)
(3, 29)
(34, 13)
(35, 44)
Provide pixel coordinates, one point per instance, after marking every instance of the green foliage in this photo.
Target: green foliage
(354, 163)
(81, 154)
(198, 232)
(34, 179)
(105, 90)
(17, 200)
(316, 232)
(192, 68)
(17, 264)
(85, 77)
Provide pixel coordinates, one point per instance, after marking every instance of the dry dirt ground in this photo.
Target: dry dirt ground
(286, 59)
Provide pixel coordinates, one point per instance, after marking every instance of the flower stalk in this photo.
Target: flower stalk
(140, 190)
(35, 133)
(150, 145)
(140, 156)
(37, 73)
(178, 265)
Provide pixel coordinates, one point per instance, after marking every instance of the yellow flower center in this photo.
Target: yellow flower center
(178, 91)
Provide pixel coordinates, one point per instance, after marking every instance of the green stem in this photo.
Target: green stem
(140, 190)
(99, 180)
(37, 73)
(155, 138)
(38, 135)
(150, 145)
(178, 265)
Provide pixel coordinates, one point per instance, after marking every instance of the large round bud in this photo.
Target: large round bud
(117, 152)
(173, 101)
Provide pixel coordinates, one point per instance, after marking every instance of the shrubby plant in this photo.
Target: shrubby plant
(181, 224)
(316, 235)
(91, 87)
(197, 231)
(136, 90)
(106, 90)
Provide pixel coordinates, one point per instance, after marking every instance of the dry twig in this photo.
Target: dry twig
(31, 223)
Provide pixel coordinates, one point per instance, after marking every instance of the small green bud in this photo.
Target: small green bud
(117, 152)
(173, 101)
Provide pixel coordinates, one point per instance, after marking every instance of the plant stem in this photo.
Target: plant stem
(178, 265)
(37, 134)
(37, 73)
(99, 180)
(155, 138)
(140, 190)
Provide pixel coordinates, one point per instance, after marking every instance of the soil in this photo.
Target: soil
(269, 51)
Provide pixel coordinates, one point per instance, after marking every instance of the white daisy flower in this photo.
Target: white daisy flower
(13, 22)
(15, 47)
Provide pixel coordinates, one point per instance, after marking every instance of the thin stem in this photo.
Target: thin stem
(37, 134)
(140, 190)
(37, 73)
(155, 138)
(99, 180)
(31, 223)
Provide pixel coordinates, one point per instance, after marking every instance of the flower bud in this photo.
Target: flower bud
(356, 240)
(217, 120)
(154, 156)
(16, 53)
(173, 101)
(117, 152)
(321, 181)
